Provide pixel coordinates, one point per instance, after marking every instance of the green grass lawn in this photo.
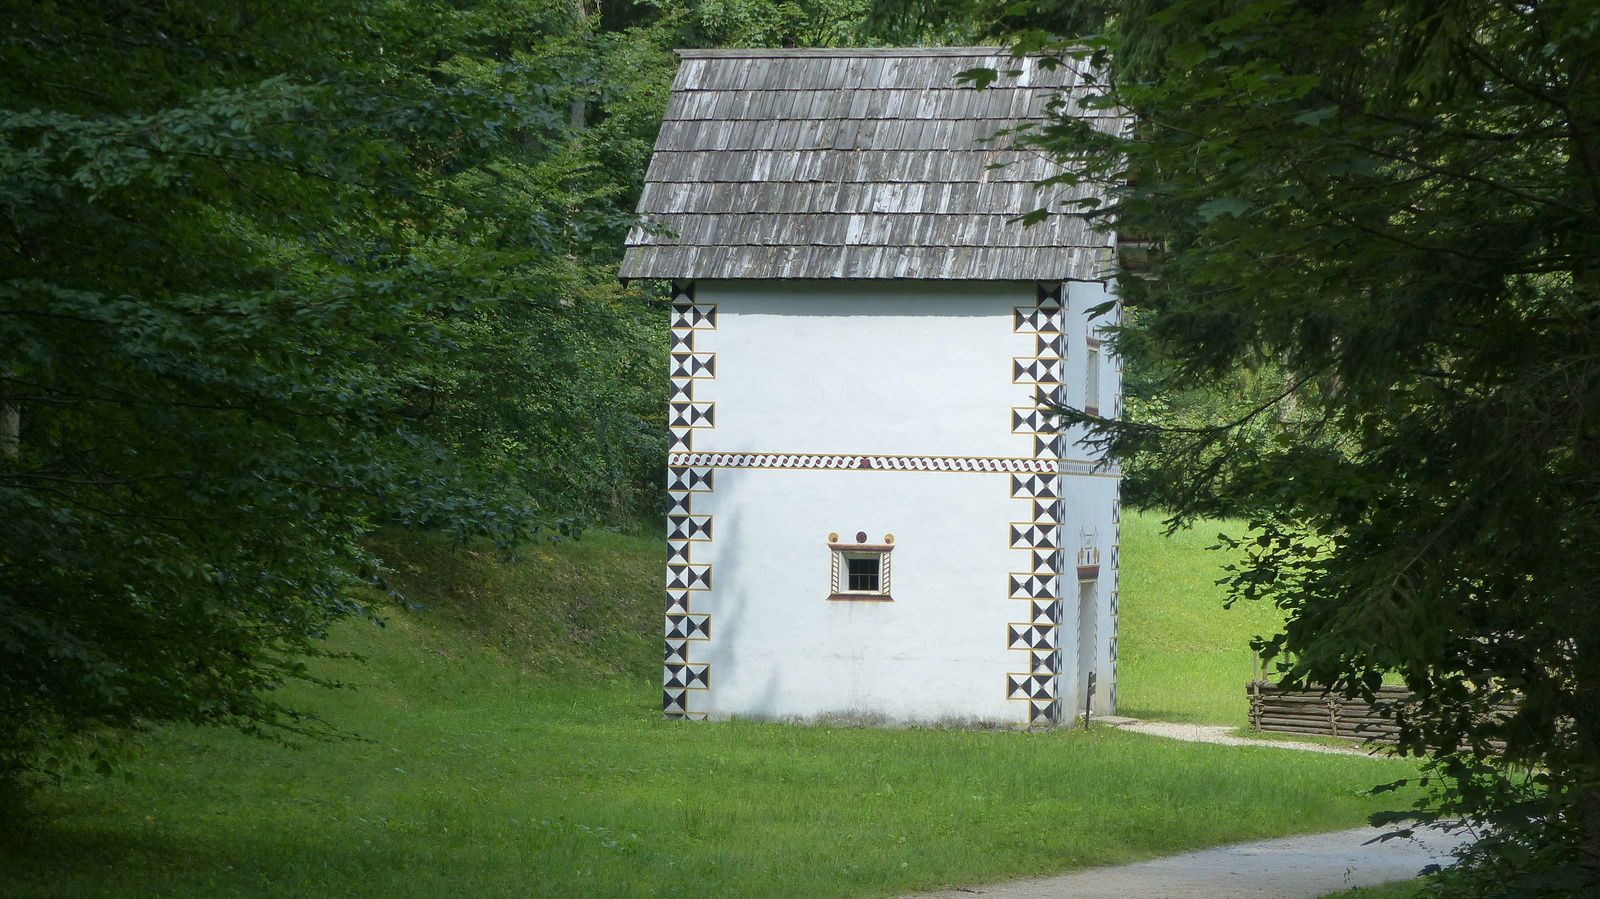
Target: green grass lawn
(1182, 657)
(484, 773)
(1405, 889)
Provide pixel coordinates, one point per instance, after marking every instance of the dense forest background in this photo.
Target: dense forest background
(563, 398)
(277, 273)
(568, 404)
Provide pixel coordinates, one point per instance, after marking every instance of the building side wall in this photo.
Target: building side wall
(905, 412)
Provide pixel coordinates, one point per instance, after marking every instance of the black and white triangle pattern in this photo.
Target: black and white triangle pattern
(1035, 486)
(1047, 561)
(677, 649)
(1031, 686)
(1048, 510)
(1041, 319)
(684, 414)
(694, 365)
(687, 315)
(685, 530)
(688, 627)
(1051, 446)
(686, 677)
(1044, 612)
(1044, 374)
(1046, 661)
(1032, 535)
(1033, 370)
(691, 415)
(691, 480)
(1034, 586)
(694, 316)
(1025, 420)
(1022, 636)
(689, 527)
(688, 577)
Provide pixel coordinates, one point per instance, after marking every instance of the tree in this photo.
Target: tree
(275, 272)
(1394, 210)
(248, 297)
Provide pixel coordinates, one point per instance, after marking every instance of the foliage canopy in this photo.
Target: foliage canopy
(1393, 210)
(272, 273)
(275, 272)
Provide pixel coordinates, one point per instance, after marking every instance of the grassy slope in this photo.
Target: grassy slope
(575, 610)
(1182, 657)
(484, 775)
(1405, 889)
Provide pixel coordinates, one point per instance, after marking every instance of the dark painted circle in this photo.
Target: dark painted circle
(861, 536)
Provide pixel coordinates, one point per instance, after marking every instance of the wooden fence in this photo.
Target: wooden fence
(1312, 713)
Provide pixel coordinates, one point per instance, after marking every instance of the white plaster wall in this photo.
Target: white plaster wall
(921, 369)
(779, 648)
(914, 368)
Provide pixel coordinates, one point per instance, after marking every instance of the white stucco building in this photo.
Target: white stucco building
(871, 516)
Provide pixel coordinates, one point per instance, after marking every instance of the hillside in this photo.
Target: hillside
(1183, 656)
(571, 610)
(508, 740)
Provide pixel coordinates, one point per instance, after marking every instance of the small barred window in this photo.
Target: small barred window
(860, 569)
(864, 573)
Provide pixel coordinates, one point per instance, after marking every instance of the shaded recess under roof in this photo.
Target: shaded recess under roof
(870, 164)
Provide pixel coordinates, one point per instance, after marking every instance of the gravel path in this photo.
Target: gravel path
(1288, 868)
(1222, 734)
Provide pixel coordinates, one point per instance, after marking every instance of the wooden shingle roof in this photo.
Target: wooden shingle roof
(865, 164)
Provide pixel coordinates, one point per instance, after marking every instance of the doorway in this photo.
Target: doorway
(1088, 594)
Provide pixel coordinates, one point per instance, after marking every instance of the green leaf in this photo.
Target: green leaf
(1229, 206)
(978, 78)
(1316, 116)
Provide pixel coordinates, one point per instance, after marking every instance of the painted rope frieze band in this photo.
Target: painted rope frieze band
(1045, 465)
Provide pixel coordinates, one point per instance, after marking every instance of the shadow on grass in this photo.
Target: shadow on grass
(129, 857)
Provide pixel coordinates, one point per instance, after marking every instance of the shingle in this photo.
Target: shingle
(856, 164)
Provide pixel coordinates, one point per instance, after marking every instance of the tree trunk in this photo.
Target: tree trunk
(10, 429)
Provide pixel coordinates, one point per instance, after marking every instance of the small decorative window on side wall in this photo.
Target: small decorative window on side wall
(1091, 378)
(860, 569)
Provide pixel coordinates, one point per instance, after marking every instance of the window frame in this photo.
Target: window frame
(1091, 376)
(842, 552)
